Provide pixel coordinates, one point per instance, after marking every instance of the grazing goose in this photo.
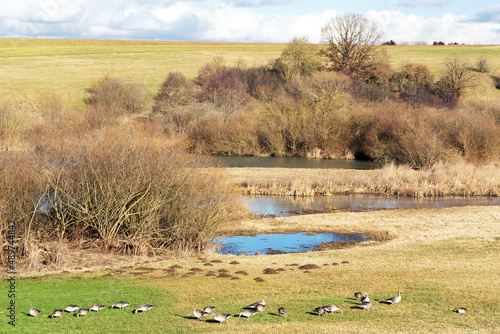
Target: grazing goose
(120, 305)
(57, 314)
(260, 307)
(248, 313)
(82, 312)
(70, 308)
(254, 305)
(143, 308)
(96, 307)
(282, 312)
(366, 305)
(221, 317)
(358, 295)
(209, 309)
(33, 311)
(332, 308)
(394, 300)
(321, 310)
(198, 313)
(365, 299)
(460, 310)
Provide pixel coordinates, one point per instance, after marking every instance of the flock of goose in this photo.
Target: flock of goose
(250, 310)
(83, 311)
(259, 306)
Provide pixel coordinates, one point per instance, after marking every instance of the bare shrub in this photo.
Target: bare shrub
(175, 91)
(414, 77)
(299, 57)
(122, 188)
(457, 78)
(224, 88)
(475, 134)
(116, 96)
(482, 65)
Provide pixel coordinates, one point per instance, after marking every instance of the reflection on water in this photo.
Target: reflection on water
(285, 206)
(289, 243)
(294, 162)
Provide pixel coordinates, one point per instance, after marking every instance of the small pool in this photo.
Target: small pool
(281, 243)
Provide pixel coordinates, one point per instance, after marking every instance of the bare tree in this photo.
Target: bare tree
(350, 40)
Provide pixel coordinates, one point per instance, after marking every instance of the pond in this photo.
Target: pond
(281, 243)
(294, 162)
(286, 206)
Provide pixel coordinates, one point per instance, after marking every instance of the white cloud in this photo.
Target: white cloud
(213, 20)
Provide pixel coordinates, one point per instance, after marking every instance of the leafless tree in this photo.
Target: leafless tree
(350, 40)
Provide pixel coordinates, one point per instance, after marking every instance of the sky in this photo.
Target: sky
(403, 21)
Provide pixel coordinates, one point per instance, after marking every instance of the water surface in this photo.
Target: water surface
(285, 206)
(288, 243)
(294, 162)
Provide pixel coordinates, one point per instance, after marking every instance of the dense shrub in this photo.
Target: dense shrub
(123, 190)
(115, 96)
(175, 91)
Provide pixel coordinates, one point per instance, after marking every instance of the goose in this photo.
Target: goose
(198, 313)
(321, 310)
(71, 308)
(82, 312)
(394, 300)
(460, 310)
(282, 312)
(254, 305)
(332, 308)
(358, 295)
(248, 313)
(366, 305)
(209, 309)
(260, 307)
(96, 307)
(57, 314)
(143, 308)
(120, 305)
(365, 299)
(221, 317)
(33, 311)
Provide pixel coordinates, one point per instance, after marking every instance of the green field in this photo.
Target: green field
(29, 67)
(439, 259)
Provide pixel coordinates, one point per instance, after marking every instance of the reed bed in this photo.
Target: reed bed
(460, 179)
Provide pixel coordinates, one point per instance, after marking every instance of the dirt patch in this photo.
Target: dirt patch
(309, 267)
(258, 279)
(196, 269)
(224, 275)
(235, 278)
(234, 262)
(208, 264)
(216, 261)
(176, 266)
(270, 271)
(241, 272)
(210, 274)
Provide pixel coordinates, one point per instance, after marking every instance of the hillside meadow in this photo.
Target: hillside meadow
(33, 66)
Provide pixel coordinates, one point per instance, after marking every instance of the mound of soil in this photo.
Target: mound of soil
(216, 261)
(234, 278)
(309, 266)
(210, 274)
(241, 272)
(223, 270)
(270, 271)
(208, 264)
(176, 266)
(196, 269)
(224, 275)
(234, 262)
(258, 279)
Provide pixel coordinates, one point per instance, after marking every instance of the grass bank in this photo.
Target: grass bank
(439, 259)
